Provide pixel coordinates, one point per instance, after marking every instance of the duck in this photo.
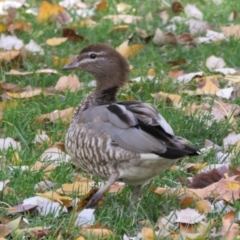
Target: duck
(115, 140)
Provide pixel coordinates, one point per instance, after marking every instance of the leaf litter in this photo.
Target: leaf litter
(212, 187)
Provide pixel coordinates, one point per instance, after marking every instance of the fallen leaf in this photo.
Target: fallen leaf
(8, 56)
(171, 98)
(34, 48)
(207, 86)
(56, 41)
(96, 232)
(10, 42)
(8, 142)
(129, 51)
(214, 62)
(64, 115)
(48, 11)
(71, 35)
(192, 11)
(188, 77)
(197, 26)
(31, 92)
(85, 218)
(231, 31)
(148, 233)
(14, 72)
(175, 73)
(101, 5)
(123, 18)
(177, 7)
(160, 38)
(116, 187)
(21, 208)
(189, 216)
(123, 7)
(54, 196)
(70, 82)
(203, 206)
(80, 188)
(19, 25)
(121, 28)
(59, 62)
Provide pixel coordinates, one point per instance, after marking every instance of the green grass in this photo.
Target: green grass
(117, 211)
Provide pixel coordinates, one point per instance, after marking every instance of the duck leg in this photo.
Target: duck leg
(136, 194)
(92, 203)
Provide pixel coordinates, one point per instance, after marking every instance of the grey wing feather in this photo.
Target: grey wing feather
(137, 127)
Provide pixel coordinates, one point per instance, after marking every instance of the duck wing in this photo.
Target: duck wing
(137, 127)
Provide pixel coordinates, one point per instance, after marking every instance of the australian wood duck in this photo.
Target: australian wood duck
(127, 141)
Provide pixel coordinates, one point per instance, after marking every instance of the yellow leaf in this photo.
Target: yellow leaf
(48, 11)
(203, 206)
(26, 94)
(97, 232)
(81, 188)
(70, 83)
(2, 28)
(129, 51)
(78, 238)
(172, 98)
(148, 234)
(59, 62)
(55, 41)
(87, 23)
(101, 5)
(207, 86)
(15, 158)
(121, 28)
(151, 72)
(54, 196)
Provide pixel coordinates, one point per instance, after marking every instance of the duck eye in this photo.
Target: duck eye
(93, 55)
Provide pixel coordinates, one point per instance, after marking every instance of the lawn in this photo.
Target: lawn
(117, 212)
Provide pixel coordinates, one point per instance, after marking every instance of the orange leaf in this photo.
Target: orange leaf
(129, 51)
(48, 11)
(102, 5)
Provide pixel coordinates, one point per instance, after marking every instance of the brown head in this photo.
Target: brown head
(102, 61)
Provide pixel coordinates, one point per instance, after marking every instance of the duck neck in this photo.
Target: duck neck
(106, 95)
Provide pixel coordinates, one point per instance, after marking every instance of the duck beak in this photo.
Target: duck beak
(72, 65)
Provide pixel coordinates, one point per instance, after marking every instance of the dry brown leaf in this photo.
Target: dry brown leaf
(177, 7)
(65, 115)
(161, 38)
(186, 39)
(208, 86)
(226, 189)
(8, 56)
(229, 229)
(31, 92)
(19, 25)
(80, 188)
(45, 167)
(70, 82)
(175, 73)
(56, 41)
(49, 12)
(129, 51)
(170, 98)
(151, 72)
(231, 31)
(71, 35)
(101, 5)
